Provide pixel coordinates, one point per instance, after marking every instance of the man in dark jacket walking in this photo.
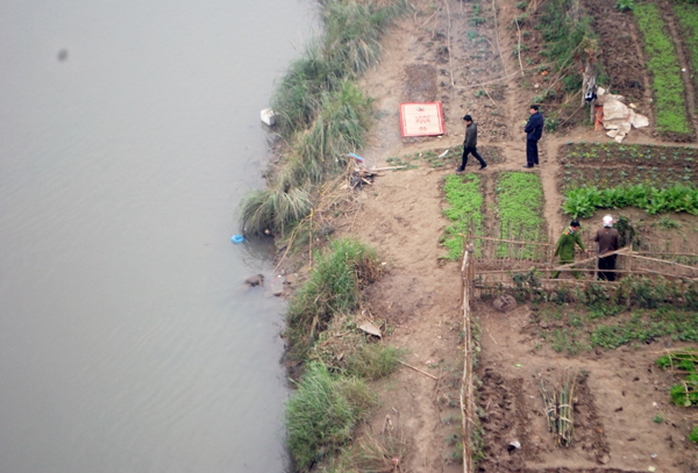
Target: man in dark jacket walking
(470, 144)
(534, 130)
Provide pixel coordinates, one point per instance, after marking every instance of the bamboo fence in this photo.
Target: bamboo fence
(499, 261)
(490, 265)
(467, 402)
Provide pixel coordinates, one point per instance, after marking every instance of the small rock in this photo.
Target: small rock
(256, 280)
(504, 303)
(276, 285)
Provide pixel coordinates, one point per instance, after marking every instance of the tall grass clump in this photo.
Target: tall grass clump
(339, 127)
(334, 287)
(322, 414)
(272, 210)
(688, 19)
(663, 64)
(464, 211)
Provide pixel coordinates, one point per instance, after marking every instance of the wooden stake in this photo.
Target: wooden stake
(418, 370)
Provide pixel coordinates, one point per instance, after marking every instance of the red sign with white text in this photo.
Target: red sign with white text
(421, 119)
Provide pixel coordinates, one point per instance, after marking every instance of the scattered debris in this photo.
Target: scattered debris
(268, 116)
(371, 329)
(618, 118)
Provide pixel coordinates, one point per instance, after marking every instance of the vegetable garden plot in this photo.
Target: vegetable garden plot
(572, 176)
(519, 210)
(611, 154)
(464, 212)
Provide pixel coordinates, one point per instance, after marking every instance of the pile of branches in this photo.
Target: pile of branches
(559, 408)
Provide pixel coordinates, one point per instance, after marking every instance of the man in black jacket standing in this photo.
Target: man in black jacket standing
(534, 130)
(470, 144)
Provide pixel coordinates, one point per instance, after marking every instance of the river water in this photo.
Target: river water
(129, 131)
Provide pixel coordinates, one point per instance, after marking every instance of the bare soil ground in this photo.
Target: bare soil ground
(439, 54)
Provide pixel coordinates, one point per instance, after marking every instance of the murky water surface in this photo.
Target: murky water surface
(129, 131)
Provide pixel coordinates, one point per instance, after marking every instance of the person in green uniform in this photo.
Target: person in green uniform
(565, 247)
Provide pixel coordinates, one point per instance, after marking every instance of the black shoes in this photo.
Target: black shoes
(528, 166)
(460, 169)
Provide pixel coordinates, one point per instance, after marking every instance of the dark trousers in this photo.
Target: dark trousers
(474, 152)
(531, 152)
(609, 262)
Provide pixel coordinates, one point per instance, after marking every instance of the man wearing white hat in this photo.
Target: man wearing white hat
(607, 240)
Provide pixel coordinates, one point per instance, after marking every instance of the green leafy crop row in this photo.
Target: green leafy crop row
(464, 211)
(663, 64)
(584, 201)
(519, 207)
(688, 19)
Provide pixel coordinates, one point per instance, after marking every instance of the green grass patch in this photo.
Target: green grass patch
(519, 208)
(372, 360)
(464, 212)
(688, 19)
(663, 64)
(322, 414)
(584, 201)
(334, 288)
